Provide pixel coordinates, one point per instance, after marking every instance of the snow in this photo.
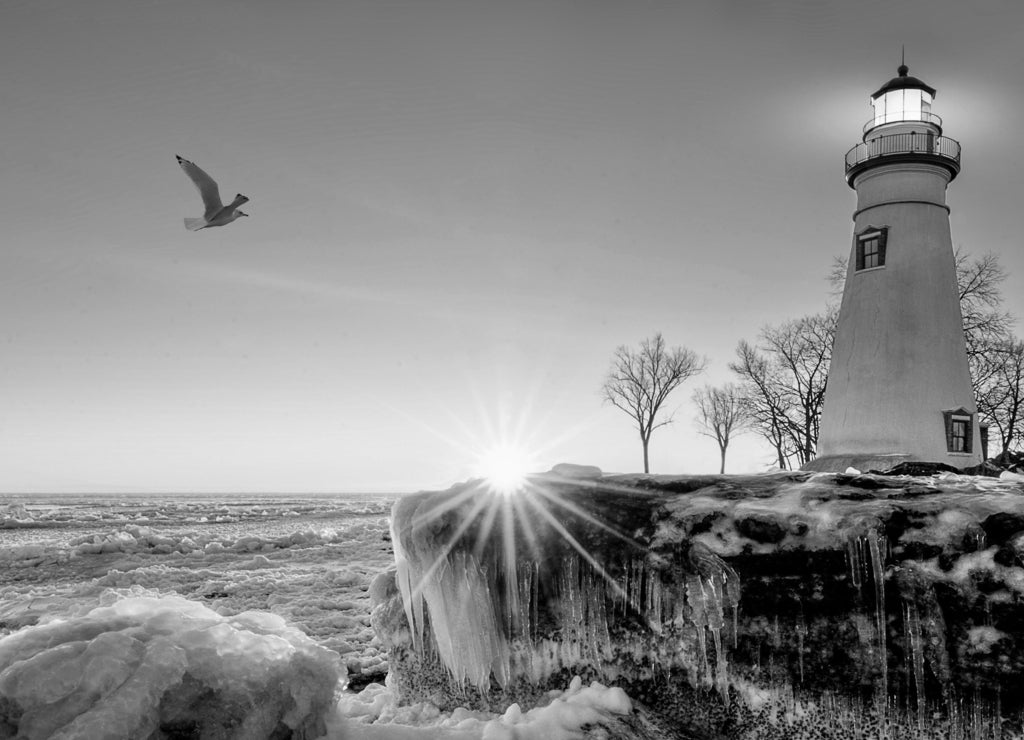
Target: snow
(373, 714)
(143, 661)
(982, 639)
(812, 516)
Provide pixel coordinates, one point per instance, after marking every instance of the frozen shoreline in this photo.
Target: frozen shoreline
(306, 561)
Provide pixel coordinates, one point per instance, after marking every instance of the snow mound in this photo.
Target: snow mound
(568, 715)
(143, 664)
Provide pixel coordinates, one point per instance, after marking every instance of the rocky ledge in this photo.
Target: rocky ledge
(790, 604)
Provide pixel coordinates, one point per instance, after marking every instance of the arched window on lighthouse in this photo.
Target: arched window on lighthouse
(871, 247)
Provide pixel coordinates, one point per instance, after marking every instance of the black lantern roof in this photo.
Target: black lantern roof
(903, 82)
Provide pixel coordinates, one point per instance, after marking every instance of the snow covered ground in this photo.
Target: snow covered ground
(97, 590)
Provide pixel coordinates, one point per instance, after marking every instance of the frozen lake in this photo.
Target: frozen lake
(308, 558)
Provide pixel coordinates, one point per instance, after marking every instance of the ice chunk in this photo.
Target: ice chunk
(13, 514)
(143, 663)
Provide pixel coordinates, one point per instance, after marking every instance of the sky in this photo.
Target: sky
(459, 209)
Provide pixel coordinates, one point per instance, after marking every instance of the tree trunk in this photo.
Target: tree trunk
(722, 449)
(647, 467)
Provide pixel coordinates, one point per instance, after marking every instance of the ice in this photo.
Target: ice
(145, 661)
(484, 630)
(463, 617)
(374, 714)
(14, 515)
(303, 566)
(876, 553)
(915, 644)
(983, 639)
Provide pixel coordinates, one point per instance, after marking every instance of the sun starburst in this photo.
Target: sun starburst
(505, 467)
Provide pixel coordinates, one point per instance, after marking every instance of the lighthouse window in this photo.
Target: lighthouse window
(871, 249)
(959, 432)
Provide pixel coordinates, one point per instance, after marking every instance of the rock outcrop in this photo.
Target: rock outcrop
(802, 604)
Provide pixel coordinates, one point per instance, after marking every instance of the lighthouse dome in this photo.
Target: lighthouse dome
(903, 82)
(906, 101)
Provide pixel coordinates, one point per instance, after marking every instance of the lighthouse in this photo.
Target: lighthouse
(899, 385)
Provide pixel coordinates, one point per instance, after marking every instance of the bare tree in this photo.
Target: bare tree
(640, 381)
(783, 383)
(837, 277)
(767, 404)
(721, 414)
(978, 283)
(1000, 394)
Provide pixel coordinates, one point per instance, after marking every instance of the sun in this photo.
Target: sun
(505, 467)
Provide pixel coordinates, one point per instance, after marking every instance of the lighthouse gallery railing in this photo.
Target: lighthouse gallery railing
(902, 116)
(903, 144)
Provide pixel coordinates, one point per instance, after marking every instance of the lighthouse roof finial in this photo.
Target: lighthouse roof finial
(903, 81)
(903, 69)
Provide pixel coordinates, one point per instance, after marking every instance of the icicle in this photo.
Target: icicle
(406, 579)
(636, 582)
(704, 665)
(572, 616)
(527, 616)
(915, 646)
(863, 556)
(697, 602)
(595, 618)
(706, 599)
(878, 573)
(721, 678)
(465, 621)
(801, 632)
(715, 600)
(652, 586)
(853, 559)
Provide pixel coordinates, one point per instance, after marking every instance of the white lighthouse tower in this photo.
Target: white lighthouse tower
(899, 386)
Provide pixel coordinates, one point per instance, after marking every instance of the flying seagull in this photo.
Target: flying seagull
(217, 214)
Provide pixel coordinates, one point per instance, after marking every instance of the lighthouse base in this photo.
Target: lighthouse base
(861, 461)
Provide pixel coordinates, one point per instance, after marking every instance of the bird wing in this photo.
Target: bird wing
(237, 202)
(227, 211)
(207, 187)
